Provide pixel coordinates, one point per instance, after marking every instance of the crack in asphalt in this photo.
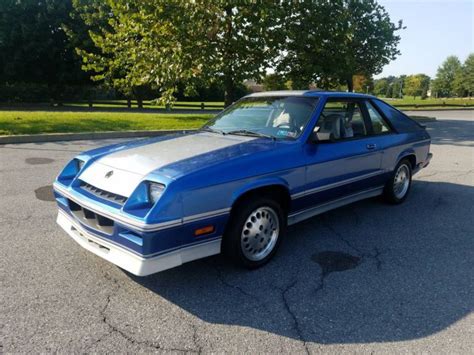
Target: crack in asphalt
(286, 303)
(195, 338)
(114, 329)
(464, 173)
(438, 172)
(296, 323)
(374, 255)
(438, 202)
(225, 282)
(420, 176)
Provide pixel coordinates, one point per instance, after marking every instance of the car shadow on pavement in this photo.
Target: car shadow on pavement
(451, 132)
(368, 272)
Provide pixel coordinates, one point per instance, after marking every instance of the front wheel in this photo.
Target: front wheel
(254, 232)
(397, 188)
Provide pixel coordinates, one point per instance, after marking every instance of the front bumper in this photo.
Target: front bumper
(130, 261)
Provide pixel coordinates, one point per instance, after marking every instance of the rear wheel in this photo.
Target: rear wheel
(397, 188)
(255, 231)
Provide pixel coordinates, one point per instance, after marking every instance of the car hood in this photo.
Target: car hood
(120, 172)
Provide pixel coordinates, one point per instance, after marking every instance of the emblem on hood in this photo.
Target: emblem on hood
(109, 174)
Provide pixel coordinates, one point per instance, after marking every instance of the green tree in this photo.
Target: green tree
(443, 83)
(468, 70)
(384, 86)
(163, 43)
(34, 47)
(425, 85)
(274, 81)
(417, 85)
(413, 85)
(331, 42)
(458, 84)
(381, 87)
(245, 42)
(397, 87)
(363, 84)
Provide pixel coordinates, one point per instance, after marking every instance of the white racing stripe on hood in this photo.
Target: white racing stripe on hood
(130, 166)
(120, 182)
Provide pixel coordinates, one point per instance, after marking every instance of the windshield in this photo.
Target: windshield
(273, 117)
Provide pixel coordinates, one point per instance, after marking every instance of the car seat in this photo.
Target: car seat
(333, 124)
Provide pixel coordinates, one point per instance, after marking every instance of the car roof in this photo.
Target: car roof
(315, 93)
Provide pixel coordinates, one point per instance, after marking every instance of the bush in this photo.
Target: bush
(213, 92)
(25, 92)
(33, 92)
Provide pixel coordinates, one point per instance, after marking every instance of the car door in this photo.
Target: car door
(344, 159)
(385, 137)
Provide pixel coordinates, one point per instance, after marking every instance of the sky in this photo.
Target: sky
(435, 30)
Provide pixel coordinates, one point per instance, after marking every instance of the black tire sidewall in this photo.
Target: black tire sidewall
(231, 244)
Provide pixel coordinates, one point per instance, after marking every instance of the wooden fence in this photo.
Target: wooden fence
(443, 104)
(206, 106)
(142, 104)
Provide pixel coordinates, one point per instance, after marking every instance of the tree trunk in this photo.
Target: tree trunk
(229, 90)
(350, 84)
(229, 85)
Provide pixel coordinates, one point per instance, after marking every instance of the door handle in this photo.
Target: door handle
(371, 146)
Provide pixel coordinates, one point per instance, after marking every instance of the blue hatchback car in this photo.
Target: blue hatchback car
(270, 160)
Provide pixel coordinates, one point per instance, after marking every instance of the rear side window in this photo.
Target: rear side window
(379, 126)
(399, 120)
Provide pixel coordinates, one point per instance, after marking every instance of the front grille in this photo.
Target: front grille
(91, 219)
(103, 194)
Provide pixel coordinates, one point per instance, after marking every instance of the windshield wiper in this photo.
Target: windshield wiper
(246, 132)
(213, 130)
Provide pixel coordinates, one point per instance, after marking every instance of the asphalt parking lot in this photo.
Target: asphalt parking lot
(368, 277)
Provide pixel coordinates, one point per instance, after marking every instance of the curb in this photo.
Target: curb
(422, 119)
(56, 137)
(403, 109)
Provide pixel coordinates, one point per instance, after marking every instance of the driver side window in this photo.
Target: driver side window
(340, 120)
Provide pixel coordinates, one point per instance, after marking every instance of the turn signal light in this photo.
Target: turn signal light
(204, 230)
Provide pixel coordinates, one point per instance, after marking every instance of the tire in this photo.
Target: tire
(397, 188)
(254, 232)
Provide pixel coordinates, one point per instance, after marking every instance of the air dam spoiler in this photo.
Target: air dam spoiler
(130, 261)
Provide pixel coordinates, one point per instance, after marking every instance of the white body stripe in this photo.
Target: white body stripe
(130, 166)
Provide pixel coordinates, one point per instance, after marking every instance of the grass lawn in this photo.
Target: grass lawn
(34, 122)
(429, 101)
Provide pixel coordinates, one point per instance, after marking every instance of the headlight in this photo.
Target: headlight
(70, 171)
(155, 191)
